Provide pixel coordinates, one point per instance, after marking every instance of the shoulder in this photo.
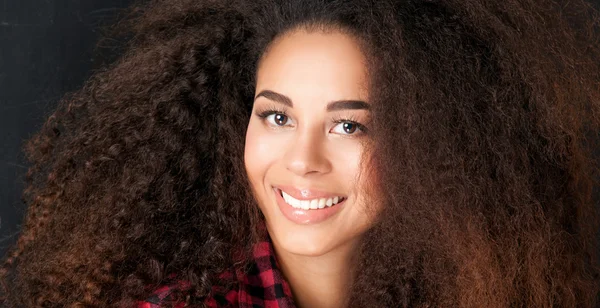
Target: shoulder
(162, 297)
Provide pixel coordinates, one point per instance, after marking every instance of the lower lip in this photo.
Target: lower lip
(306, 217)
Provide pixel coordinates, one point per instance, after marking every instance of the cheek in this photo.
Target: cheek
(370, 191)
(362, 182)
(346, 156)
(258, 154)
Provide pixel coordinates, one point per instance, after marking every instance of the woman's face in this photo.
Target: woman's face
(304, 141)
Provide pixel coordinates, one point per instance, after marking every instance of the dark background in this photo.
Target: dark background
(47, 48)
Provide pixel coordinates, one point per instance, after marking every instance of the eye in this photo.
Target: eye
(278, 119)
(345, 127)
(274, 117)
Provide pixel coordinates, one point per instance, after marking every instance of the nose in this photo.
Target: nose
(306, 155)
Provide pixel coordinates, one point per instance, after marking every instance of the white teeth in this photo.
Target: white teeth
(310, 204)
(305, 204)
(322, 202)
(285, 197)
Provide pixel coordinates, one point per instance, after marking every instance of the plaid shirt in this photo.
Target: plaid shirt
(264, 286)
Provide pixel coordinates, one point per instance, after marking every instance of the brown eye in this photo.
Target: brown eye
(275, 118)
(280, 119)
(349, 127)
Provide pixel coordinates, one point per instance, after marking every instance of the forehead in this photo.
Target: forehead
(327, 65)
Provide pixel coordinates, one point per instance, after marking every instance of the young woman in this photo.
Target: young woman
(310, 153)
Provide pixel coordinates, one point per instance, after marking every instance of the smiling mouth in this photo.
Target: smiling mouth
(311, 204)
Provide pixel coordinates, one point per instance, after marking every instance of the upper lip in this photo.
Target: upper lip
(306, 193)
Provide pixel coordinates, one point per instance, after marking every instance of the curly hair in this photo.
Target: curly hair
(485, 116)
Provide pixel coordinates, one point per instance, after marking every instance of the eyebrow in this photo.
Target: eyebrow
(331, 106)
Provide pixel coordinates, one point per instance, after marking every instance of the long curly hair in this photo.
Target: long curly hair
(485, 120)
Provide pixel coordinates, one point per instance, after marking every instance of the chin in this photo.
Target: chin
(303, 242)
(305, 248)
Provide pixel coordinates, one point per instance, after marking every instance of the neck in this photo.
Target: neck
(319, 281)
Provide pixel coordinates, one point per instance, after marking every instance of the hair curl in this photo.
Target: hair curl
(484, 125)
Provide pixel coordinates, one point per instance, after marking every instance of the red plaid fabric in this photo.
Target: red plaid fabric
(264, 286)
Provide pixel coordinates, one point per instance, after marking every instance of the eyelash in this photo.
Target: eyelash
(264, 114)
(270, 111)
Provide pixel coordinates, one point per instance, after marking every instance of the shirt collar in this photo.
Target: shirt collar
(262, 286)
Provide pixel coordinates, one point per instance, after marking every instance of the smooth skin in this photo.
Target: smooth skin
(297, 138)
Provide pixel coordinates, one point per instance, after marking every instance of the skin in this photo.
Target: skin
(307, 147)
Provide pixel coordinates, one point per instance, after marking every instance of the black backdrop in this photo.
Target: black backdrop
(47, 48)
